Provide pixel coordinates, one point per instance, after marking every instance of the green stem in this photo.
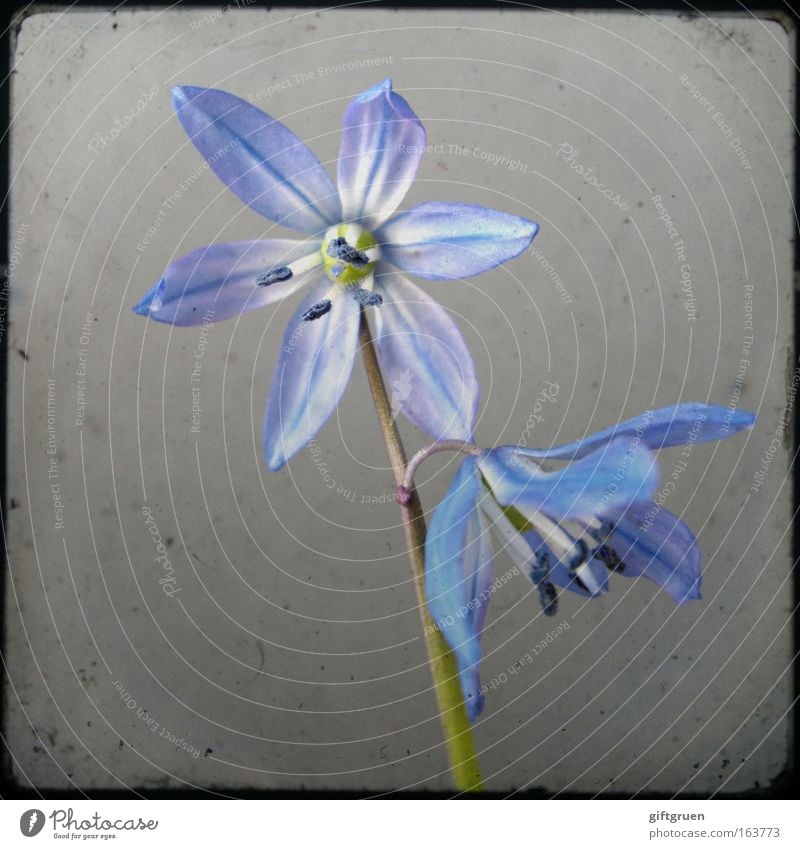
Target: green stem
(464, 766)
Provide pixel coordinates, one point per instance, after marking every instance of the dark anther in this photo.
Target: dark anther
(339, 249)
(602, 533)
(604, 552)
(317, 311)
(548, 597)
(540, 575)
(609, 557)
(275, 275)
(367, 298)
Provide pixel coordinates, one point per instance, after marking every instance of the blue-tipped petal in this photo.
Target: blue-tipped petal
(619, 473)
(458, 576)
(313, 369)
(258, 159)
(221, 280)
(382, 144)
(427, 365)
(653, 543)
(445, 241)
(667, 426)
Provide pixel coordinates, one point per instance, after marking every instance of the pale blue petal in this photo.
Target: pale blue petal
(258, 159)
(458, 576)
(427, 366)
(621, 472)
(382, 144)
(313, 369)
(675, 425)
(653, 543)
(445, 241)
(220, 280)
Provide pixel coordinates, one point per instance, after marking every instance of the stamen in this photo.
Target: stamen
(554, 535)
(275, 275)
(317, 311)
(608, 556)
(367, 298)
(535, 563)
(281, 273)
(577, 558)
(578, 555)
(518, 548)
(604, 552)
(338, 248)
(540, 575)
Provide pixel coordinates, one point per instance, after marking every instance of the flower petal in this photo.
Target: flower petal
(258, 159)
(458, 576)
(653, 543)
(221, 279)
(593, 581)
(382, 144)
(425, 360)
(674, 425)
(619, 473)
(445, 241)
(311, 375)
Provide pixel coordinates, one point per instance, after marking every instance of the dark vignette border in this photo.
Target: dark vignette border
(786, 785)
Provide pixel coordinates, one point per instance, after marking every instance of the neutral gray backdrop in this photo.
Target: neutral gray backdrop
(289, 653)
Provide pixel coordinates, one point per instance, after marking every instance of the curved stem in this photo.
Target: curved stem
(428, 451)
(457, 730)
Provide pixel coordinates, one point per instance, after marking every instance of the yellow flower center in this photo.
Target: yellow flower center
(349, 254)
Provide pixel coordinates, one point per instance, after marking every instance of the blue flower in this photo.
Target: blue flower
(564, 528)
(350, 235)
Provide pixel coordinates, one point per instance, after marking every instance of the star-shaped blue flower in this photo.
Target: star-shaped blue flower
(565, 528)
(351, 234)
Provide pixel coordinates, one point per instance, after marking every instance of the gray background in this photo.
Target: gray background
(291, 656)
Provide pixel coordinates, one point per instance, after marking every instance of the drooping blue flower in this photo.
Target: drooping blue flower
(564, 528)
(350, 235)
